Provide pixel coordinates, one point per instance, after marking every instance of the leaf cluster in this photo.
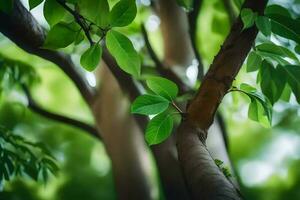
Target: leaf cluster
(19, 157)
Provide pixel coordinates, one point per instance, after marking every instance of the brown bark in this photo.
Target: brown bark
(204, 179)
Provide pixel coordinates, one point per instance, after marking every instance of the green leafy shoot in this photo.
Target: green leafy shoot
(15, 73)
(260, 108)
(20, 157)
(225, 170)
(160, 126)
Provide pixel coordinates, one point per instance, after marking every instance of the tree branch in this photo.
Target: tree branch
(204, 179)
(21, 27)
(166, 72)
(32, 105)
(192, 18)
(79, 19)
(229, 10)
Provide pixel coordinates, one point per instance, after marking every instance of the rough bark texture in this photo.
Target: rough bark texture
(204, 179)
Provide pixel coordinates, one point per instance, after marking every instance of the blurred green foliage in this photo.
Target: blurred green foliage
(266, 160)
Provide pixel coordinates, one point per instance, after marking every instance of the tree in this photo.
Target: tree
(127, 80)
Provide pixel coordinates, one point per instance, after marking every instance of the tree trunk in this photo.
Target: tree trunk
(203, 177)
(123, 140)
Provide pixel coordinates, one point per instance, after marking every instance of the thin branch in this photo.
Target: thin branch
(192, 18)
(79, 19)
(59, 118)
(229, 10)
(164, 71)
(22, 28)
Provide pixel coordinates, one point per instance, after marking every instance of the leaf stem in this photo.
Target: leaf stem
(176, 107)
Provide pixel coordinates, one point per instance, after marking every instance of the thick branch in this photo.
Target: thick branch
(204, 179)
(59, 118)
(21, 27)
(223, 70)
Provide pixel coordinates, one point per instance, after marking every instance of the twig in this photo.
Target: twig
(159, 66)
(229, 10)
(59, 118)
(176, 107)
(79, 19)
(192, 18)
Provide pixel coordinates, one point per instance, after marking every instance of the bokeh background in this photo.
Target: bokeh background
(267, 160)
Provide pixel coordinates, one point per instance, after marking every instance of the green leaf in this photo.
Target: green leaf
(256, 113)
(285, 26)
(53, 12)
(253, 62)
(286, 94)
(163, 87)
(264, 25)
(96, 11)
(248, 17)
(51, 165)
(60, 35)
(260, 108)
(91, 57)
(187, 4)
(72, 1)
(149, 105)
(276, 50)
(159, 128)
(238, 3)
(247, 88)
(6, 7)
(34, 3)
(79, 37)
(293, 73)
(123, 13)
(272, 82)
(124, 53)
(297, 49)
(277, 10)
